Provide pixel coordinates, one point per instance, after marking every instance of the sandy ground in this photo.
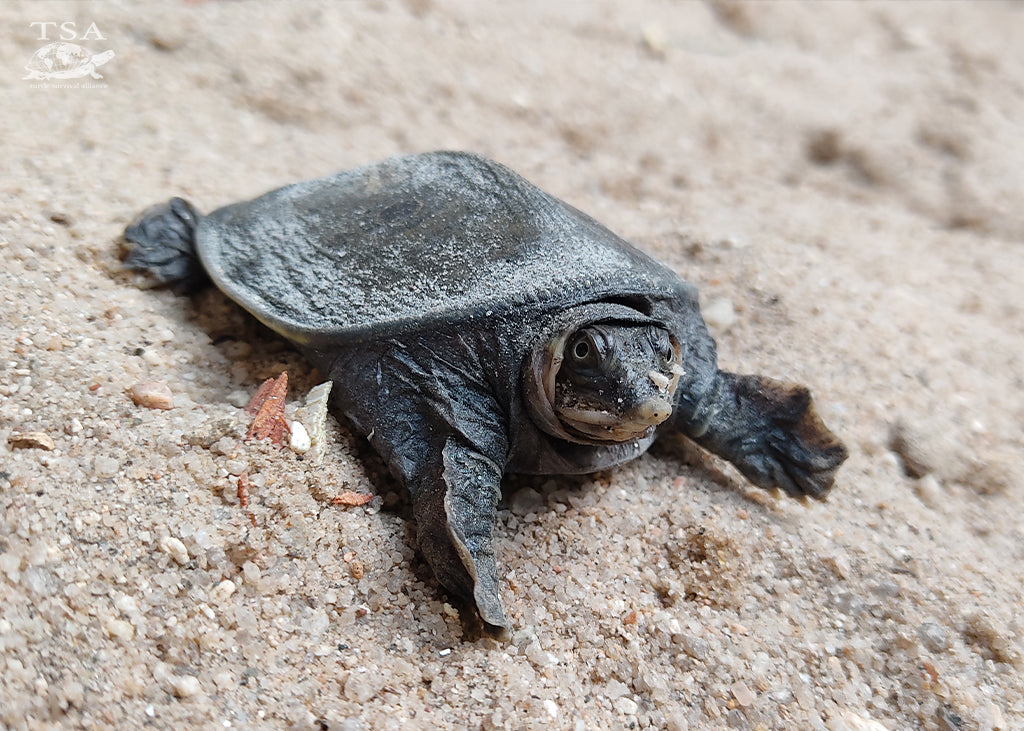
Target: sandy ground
(844, 183)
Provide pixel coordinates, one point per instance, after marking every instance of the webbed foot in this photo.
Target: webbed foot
(771, 432)
(163, 244)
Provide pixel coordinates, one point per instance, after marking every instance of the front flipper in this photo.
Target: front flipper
(770, 431)
(434, 417)
(455, 512)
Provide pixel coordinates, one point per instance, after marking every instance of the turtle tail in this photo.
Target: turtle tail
(163, 244)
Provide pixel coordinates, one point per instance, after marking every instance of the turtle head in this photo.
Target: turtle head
(606, 381)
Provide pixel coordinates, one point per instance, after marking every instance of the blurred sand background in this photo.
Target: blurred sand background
(843, 181)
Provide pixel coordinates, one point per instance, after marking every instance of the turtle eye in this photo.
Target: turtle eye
(587, 349)
(663, 347)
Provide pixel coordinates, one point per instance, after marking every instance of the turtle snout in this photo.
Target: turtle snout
(649, 413)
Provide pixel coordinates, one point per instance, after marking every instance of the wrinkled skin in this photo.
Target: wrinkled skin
(454, 424)
(455, 401)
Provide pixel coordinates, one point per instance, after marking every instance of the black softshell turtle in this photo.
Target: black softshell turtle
(474, 325)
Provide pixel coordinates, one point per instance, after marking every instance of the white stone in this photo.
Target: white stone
(626, 706)
(186, 686)
(119, 629)
(10, 564)
(104, 466)
(251, 572)
(540, 658)
(223, 591)
(174, 548)
(300, 442)
(125, 604)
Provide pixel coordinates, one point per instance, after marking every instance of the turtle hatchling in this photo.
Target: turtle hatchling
(473, 326)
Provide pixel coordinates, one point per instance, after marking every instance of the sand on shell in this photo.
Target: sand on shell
(842, 181)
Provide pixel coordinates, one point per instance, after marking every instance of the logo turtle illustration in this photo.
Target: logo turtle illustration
(65, 61)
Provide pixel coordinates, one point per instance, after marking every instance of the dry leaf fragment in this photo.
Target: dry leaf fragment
(268, 405)
(350, 498)
(30, 440)
(261, 395)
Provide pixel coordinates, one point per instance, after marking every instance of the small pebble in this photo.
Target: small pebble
(104, 466)
(152, 395)
(614, 689)
(360, 687)
(695, 647)
(626, 706)
(743, 695)
(223, 591)
(675, 720)
(653, 37)
(251, 572)
(933, 636)
(126, 604)
(119, 629)
(929, 490)
(73, 692)
(299, 441)
(10, 564)
(185, 686)
(30, 440)
(539, 657)
(175, 549)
